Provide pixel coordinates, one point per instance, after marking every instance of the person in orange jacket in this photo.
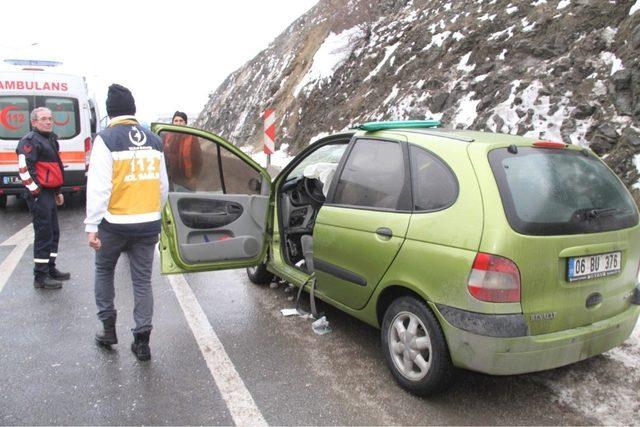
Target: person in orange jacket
(183, 156)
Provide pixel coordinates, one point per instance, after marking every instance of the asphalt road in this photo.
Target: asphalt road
(52, 372)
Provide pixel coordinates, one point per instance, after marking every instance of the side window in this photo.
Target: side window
(93, 120)
(198, 164)
(14, 117)
(434, 185)
(374, 176)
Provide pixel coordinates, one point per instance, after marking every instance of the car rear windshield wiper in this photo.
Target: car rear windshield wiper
(599, 213)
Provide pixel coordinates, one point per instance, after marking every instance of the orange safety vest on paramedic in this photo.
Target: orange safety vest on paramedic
(134, 206)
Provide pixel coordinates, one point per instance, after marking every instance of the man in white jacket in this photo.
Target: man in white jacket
(126, 190)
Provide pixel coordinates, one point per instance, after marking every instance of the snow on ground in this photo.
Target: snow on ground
(604, 387)
(333, 52)
(634, 8)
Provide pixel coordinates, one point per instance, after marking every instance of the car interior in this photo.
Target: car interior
(300, 196)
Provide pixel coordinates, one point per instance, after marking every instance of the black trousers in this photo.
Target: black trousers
(46, 231)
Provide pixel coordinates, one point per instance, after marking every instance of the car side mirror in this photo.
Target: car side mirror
(254, 185)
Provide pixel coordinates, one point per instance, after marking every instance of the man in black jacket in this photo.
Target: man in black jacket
(41, 171)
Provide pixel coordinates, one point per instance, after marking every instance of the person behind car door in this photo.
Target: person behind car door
(41, 171)
(126, 189)
(183, 156)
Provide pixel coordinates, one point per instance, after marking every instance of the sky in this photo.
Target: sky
(171, 55)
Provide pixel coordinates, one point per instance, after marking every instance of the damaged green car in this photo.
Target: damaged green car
(495, 253)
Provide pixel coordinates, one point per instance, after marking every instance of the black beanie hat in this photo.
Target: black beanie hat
(179, 114)
(120, 102)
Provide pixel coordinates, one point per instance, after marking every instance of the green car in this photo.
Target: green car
(489, 252)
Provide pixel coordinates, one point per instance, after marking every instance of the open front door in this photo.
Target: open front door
(218, 210)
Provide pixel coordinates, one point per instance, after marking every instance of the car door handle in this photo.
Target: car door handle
(384, 232)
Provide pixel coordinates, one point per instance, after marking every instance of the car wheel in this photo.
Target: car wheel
(3, 201)
(415, 348)
(259, 274)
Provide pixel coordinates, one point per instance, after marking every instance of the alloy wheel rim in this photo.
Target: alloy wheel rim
(410, 346)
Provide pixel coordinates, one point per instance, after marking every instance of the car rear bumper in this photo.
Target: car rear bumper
(518, 355)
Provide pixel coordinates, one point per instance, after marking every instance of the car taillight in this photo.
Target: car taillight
(494, 279)
(87, 149)
(549, 144)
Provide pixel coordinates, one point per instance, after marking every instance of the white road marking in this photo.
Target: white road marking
(238, 399)
(21, 240)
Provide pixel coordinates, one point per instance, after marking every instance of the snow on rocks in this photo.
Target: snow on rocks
(333, 52)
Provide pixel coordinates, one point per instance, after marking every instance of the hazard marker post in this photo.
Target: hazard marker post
(269, 133)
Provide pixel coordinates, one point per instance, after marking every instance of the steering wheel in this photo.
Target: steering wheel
(313, 190)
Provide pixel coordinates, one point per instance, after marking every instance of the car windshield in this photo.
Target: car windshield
(557, 192)
(328, 154)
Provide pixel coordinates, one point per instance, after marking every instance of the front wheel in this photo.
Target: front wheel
(259, 274)
(415, 348)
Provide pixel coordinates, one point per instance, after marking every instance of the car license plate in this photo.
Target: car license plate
(11, 180)
(592, 266)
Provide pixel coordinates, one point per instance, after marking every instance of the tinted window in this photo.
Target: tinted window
(550, 191)
(14, 116)
(198, 164)
(434, 185)
(374, 176)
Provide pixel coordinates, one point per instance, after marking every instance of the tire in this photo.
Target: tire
(259, 274)
(419, 362)
(3, 201)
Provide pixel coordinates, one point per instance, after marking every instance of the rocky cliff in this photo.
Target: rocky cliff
(555, 69)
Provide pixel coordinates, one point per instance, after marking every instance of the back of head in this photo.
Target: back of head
(120, 101)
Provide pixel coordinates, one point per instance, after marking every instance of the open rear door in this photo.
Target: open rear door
(218, 211)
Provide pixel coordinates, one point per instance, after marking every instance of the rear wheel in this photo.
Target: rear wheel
(259, 274)
(3, 201)
(415, 348)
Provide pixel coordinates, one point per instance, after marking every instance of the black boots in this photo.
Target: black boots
(46, 282)
(108, 336)
(56, 274)
(140, 345)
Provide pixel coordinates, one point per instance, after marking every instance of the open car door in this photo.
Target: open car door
(218, 211)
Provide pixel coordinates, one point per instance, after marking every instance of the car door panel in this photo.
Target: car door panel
(361, 228)
(350, 258)
(214, 228)
(218, 211)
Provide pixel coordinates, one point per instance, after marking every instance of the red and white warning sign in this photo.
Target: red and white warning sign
(269, 131)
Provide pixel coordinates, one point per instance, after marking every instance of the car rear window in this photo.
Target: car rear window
(558, 192)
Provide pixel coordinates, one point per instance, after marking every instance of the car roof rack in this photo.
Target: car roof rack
(376, 126)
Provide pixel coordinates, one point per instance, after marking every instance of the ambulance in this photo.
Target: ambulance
(28, 84)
